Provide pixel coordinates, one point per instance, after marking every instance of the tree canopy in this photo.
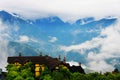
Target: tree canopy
(26, 72)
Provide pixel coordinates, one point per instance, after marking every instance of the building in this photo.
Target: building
(2, 75)
(77, 69)
(41, 61)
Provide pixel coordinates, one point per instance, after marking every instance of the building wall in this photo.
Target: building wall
(2, 75)
(38, 69)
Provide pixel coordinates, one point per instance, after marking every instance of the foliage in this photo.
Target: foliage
(45, 73)
(20, 73)
(26, 72)
(47, 77)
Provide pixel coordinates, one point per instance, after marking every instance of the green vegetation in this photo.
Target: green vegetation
(20, 72)
(26, 72)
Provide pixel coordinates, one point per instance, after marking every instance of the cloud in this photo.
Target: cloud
(76, 64)
(4, 36)
(24, 38)
(52, 39)
(16, 28)
(100, 66)
(68, 10)
(4, 31)
(95, 42)
(3, 54)
(108, 42)
(73, 63)
(75, 32)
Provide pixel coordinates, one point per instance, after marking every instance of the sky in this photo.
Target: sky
(67, 10)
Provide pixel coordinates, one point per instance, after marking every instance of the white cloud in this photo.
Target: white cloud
(66, 9)
(109, 48)
(75, 32)
(95, 42)
(24, 38)
(4, 36)
(1, 26)
(52, 39)
(3, 54)
(75, 64)
(100, 65)
(16, 28)
(4, 31)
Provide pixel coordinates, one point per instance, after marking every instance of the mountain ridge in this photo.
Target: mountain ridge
(48, 34)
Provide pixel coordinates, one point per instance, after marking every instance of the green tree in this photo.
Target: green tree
(117, 76)
(57, 75)
(20, 73)
(47, 77)
(46, 72)
(13, 72)
(78, 76)
(19, 78)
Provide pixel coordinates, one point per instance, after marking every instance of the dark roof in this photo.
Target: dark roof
(65, 64)
(46, 60)
(77, 69)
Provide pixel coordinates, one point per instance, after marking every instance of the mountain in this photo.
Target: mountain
(9, 18)
(26, 49)
(47, 34)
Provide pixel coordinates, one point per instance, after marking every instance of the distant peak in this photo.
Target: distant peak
(3, 11)
(84, 20)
